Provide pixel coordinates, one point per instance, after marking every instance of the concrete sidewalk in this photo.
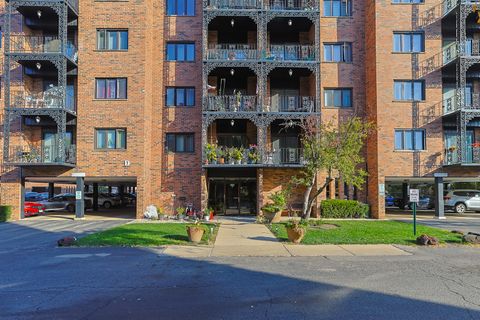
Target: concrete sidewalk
(244, 238)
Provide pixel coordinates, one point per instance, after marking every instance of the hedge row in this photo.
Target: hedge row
(336, 208)
(5, 213)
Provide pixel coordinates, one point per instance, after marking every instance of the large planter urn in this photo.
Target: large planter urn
(272, 217)
(195, 234)
(295, 235)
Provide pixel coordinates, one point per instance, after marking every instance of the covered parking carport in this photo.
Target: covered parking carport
(96, 188)
(437, 183)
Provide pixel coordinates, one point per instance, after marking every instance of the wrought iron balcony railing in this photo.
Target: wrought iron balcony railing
(41, 44)
(234, 4)
(472, 102)
(234, 103)
(293, 52)
(472, 156)
(286, 156)
(291, 5)
(41, 155)
(232, 52)
(49, 99)
(290, 104)
(435, 62)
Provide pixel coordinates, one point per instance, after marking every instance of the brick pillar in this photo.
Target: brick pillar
(375, 200)
(204, 190)
(331, 186)
(341, 189)
(11, 191)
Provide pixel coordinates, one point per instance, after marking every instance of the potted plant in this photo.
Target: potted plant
(221, 155)
(229, 155)
(237, 155)
(253, 156)
(296, 230)
(273, 210)
(180, 213)
(207, 215)
(211, 153)
(195, 232)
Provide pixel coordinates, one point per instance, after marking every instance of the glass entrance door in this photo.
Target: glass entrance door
(233, 196)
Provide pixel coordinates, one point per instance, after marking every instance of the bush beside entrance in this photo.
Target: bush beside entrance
(5, 213)
(336, 208)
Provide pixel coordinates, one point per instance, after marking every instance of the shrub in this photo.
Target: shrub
(336, 208)
(5, 213)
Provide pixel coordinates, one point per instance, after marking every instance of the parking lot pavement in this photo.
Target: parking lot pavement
(38, 233)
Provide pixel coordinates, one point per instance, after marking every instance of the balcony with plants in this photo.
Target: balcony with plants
(232, 38)
(231, 90)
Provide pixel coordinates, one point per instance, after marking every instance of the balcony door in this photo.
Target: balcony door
(286, 149)
(50, 145)
(284, 100)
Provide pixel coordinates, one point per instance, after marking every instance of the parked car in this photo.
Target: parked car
(104, 200)
(128, 198)
(62, 202)
(389, 200)
(462, 200)
(32, 196)
(424, 203)
(33, 209)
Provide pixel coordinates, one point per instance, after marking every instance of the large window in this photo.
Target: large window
(339, 98)
(180, 7)
(110, 138)
(337, 8)
(180, 142)
(111, 88)
(180, 97)
(408, 42)
(177, 51)
(409, 90)
(408, 139)
(337, 52)
(108, 39)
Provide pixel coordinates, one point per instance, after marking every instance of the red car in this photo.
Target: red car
(33, 208)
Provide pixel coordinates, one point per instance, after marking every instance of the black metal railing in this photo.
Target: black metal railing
(233, 4)
(51, 98)
(288, 156)
(232, 52)
(472, 156)
(231, 103)
(41, 155)
(291, 5)
(20, 43)
(279, 103)
(290, 52)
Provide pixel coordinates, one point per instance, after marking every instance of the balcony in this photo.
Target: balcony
(49, 99)
(286, 157)
(299, 5)
(294, 52)
(232, 52)
(472, 103)
(25, 44)
(231, 103)
(472, 156)
(290, 104)
(45, 155)
(233, 4)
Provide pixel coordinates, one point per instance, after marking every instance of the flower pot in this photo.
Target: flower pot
(295, 235)
(206, 217)
(272, 217)
(221, 160)
(239, 161)
(213, 162)
(195, 234)
(231, 161)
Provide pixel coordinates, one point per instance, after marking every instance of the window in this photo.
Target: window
(339, 98)
(408, 42)
(111, 88)
(409, 90)
(180, 97)
(110, 138)
(407, 1)
(112, 39)
(337, 52)
(409, 139)
(180, 7)
(180, 51)
(337, 8)
(180, 142)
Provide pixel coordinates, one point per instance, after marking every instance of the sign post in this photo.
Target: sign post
(414, 199)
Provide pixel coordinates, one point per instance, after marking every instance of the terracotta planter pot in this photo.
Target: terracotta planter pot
(295, 235)
(272, 217)
(221, 161)
(195, 234)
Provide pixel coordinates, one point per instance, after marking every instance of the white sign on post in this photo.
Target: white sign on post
(78, 195)
(414, 195)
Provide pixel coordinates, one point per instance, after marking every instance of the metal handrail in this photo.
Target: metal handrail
(41, 154)
(232, 52)
(291, 104)
(231, 103)
(50, 98)
(291, 52)
(20, 43)
(284, 156)
(291, 5)
(233, 4)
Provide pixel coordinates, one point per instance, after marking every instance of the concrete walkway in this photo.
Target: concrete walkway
(242, 237)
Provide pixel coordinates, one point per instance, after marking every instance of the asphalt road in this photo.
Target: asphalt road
(44, 282)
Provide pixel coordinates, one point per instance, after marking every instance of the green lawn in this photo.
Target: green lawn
(145, 234)
(366, 232)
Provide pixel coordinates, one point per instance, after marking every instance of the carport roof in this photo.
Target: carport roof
(431, 179)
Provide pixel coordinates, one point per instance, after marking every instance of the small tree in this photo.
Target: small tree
(334, 149)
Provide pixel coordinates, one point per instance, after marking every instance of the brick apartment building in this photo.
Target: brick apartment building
(131, 93)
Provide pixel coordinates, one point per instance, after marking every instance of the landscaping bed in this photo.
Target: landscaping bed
(147, 234)
(364, 232)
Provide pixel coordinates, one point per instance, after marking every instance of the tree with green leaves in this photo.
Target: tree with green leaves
(335, 149)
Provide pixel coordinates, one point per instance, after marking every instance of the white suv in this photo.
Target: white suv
(462, 200)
